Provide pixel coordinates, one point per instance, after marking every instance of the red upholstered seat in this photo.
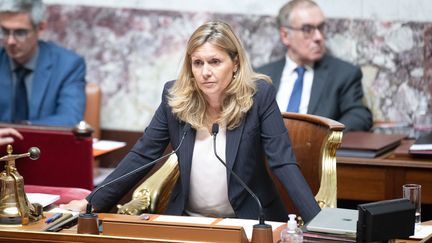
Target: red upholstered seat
(66, 193)
(66, 159)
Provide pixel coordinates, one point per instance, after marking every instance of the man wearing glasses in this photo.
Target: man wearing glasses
(40, 82)
(309, 80)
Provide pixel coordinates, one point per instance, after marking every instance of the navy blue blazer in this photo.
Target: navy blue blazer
(336, 93)
(58, 88)
(261, 134)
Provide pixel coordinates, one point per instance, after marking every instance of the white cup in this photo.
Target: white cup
(413, 193)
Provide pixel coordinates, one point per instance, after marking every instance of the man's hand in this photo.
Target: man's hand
(7, 135)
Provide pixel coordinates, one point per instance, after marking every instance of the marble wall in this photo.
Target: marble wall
(131, 53)
(387, 10)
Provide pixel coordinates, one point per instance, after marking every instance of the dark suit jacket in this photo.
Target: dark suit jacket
(261, 133)
(58, 89)
(336, 91)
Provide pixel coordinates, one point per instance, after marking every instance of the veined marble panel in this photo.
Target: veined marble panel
(131, 53)
(387, 10)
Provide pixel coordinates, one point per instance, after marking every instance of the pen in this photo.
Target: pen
(53, 218)
(67, 220)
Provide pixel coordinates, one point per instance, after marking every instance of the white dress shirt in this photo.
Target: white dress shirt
(208, 190)
(288, 78)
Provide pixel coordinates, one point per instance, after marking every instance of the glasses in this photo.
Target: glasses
(309, 30)
(18, 34)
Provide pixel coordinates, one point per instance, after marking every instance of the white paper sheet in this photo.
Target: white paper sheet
(42, 198)
(107, 144)
(60, 210)
(424, 231)
(185, 219)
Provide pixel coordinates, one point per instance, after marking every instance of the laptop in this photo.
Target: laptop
(335, 221)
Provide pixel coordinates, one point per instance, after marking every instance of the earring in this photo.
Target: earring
(234, 75)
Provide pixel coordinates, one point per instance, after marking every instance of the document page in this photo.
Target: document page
(104, 146)
(185, 219)
(42, 198)
(424, 231)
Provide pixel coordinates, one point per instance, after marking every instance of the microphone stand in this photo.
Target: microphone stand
(262, 232)
(88, 221)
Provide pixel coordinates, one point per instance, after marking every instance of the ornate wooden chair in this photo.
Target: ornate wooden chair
(153, 193)
(314, 141)
(93, 107)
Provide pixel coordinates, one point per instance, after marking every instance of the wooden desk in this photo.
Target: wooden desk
(32, 233)
(381, 178)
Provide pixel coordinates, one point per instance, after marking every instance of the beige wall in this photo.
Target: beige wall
(406, 10)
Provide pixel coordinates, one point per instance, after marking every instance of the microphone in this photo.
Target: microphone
(262, 232)
(92, 229)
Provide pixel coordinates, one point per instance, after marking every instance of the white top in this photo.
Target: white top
(208, 190)
(288, 78)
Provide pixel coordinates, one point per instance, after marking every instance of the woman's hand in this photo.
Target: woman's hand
(75, 205)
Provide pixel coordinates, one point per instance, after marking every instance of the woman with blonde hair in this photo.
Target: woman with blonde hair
(217, 85)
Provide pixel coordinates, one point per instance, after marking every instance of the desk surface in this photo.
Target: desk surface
(395, 158)
(32, 233)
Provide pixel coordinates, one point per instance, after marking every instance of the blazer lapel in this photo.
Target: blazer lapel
(277, 72)
(185, 157)
(41, 79)
(233, 138)
(318, 84)
(5, 88)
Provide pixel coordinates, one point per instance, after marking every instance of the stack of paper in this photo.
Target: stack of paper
(42, 198)
(422, 146)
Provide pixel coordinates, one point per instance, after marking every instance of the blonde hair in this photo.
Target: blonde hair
(187, 100)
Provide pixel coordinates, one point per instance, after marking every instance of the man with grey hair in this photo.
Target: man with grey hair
(41, 83)
(308, 79)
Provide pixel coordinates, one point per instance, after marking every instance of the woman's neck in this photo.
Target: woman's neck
(212, 115)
